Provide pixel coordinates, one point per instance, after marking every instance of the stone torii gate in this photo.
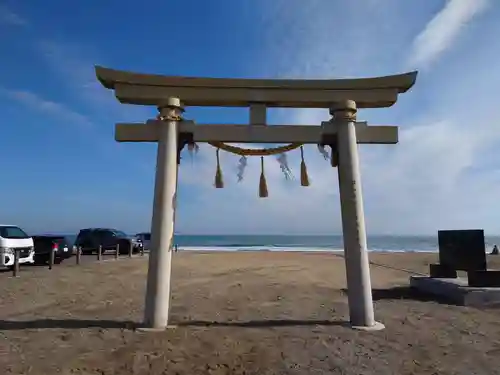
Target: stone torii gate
(342, 133)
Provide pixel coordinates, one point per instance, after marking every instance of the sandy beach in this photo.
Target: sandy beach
(239, 313)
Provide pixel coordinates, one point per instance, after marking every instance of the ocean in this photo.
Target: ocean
(306, 243)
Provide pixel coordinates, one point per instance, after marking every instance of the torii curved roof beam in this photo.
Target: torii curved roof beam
(152, 89)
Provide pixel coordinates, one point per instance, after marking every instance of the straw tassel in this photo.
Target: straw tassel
(334, 158)
(304, 178)
(219, 182)
(263, 193)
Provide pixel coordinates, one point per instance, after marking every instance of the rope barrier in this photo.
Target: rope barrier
(389, 267)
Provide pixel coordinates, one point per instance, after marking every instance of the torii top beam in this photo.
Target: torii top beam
(151, 89)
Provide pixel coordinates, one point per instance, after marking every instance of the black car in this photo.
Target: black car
(90, 239)
(46, 243)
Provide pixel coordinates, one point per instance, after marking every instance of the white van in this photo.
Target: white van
(13, 238)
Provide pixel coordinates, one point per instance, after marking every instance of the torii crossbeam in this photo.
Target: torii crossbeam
(342, 133)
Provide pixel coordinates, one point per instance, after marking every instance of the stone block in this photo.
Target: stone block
(456, 290)
(442, 271)
(489, 278)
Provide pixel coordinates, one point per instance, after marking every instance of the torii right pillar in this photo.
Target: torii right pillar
(359, 291)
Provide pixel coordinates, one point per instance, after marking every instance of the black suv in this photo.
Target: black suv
(91, 238)
(44, 244)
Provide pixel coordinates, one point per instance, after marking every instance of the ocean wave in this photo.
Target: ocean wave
(292, 249)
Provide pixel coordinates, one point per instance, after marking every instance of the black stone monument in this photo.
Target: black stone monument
(464, 250)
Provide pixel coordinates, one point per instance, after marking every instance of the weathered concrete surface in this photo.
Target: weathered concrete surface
(457, 291)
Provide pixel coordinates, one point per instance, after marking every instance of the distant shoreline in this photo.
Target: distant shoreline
(308, 243)
(202, 249)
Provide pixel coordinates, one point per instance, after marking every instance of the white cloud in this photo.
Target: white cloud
(238, 208)
(61, 111)
(432, 179)
(74, 65)
(8, 17)
(443, 30)
(444, 172)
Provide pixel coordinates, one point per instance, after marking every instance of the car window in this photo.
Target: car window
(84, 234)
(12, 232)
(41, 241)
(105, 234)
(48, 240)
(60, 240)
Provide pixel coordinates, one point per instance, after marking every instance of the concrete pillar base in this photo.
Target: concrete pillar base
(153, 330)
(375, 327)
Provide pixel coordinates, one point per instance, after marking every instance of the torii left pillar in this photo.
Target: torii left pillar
(157, 305)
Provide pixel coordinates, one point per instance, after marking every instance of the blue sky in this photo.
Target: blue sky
(62, 170)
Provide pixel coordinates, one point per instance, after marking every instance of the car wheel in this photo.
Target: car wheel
(86, 252)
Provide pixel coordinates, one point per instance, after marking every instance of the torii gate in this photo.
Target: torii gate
(342, 133)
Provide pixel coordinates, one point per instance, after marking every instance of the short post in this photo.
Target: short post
(156, 312)
(51, 258)
(130, 249)
(15, 268)
(142, 250)
(99, 252)
(353, 219)
(78, 254)
(117, 251)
